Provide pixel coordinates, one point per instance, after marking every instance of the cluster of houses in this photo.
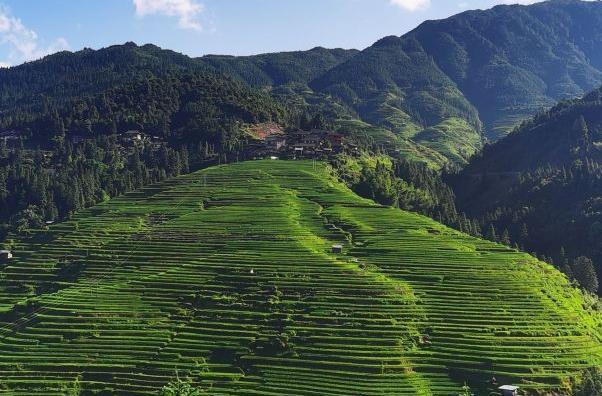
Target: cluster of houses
(316, 143)
(270, 141)
(129, 138)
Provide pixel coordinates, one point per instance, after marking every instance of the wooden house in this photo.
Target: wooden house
(508, 390)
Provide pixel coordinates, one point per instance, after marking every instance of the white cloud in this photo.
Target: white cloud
(187, 11)
(23, 43)
(411, 5)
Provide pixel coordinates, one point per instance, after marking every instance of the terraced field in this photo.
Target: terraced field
(226, 277)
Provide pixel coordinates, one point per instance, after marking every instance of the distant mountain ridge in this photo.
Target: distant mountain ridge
(511, 61)
(434, 94)
(482, 72)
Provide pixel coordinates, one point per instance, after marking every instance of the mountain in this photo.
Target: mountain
(128, 87)
(433, 95)
(277, 69)
(227, 280)
(394, 84)
(63, 121)
(543, 183)
(64, 75)
(438, 90)
(512, 61)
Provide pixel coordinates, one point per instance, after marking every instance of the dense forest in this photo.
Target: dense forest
(541, 187)
(39, 187)
(63, 146)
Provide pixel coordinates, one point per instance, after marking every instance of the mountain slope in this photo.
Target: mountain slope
(498, 66)
(545, 179)
(66, 74)
(511, 61)
(394, 84)
(277, 69)
(92, 93)
(225, 279)
(431, 93)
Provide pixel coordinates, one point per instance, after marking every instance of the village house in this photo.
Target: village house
(337, 249)
(133, 136)
(275, 142)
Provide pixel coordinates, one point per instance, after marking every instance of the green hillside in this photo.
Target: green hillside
(224, 278)
(550, 165)
(511, 61)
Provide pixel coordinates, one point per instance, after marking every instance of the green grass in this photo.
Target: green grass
(226, 276)
(454, 138)
(395, 145)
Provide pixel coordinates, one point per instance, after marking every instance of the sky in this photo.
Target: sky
(31, 29)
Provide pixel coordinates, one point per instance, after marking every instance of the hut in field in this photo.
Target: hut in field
(337, 249)
(508, 390)
(5, 255)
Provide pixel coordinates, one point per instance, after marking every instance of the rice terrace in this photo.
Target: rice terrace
(228, 279)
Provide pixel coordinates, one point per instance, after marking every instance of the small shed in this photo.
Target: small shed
(5, 255)
(509, 390)
(337, 249)
(133, 135)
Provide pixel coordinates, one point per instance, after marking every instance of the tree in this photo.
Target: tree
(581, 132)
(505, 238)
(591, 383)
(491, 234)
(585, 273)
(29, 218)
(524, 233)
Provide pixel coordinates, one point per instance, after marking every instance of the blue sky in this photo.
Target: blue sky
(30, 29)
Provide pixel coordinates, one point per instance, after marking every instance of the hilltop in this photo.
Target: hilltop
(226, 279)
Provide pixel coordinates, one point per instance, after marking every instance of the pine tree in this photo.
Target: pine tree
(505, 237)
(491, 234)
(585, 273)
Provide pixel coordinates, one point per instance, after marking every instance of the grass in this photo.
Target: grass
(226, 277)
(455, 138)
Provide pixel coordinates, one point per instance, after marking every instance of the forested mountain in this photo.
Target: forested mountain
(431, 95)
(120, 87)
(433, 91)
(277, 69)
(541, 186)
(63, 118)
(511, 61)
(64, 75)
(396, 85)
